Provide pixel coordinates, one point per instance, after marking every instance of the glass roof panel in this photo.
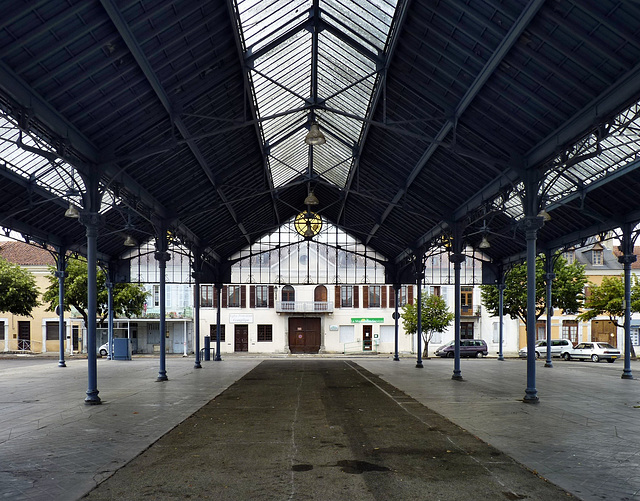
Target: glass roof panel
(284, 88)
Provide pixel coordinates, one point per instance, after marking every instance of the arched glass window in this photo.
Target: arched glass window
(288, 293)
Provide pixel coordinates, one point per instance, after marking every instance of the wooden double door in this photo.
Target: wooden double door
(304, 335)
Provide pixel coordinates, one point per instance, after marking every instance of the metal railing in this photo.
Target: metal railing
(304, 306)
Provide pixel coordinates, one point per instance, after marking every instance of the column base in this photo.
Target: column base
(162, 377)
(92, 398)
(627, 375)
(457, 377)
(531, 397)
(501, 358)
(396, 358)
(419, 365)
(197, 365)
(548, 364)
(61, 363)
(218, 358)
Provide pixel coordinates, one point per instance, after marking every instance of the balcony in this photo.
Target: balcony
(469, 311)
(304, 306)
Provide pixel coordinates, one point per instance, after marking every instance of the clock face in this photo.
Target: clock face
(308, 224)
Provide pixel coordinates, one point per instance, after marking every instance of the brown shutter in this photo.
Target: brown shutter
(215, 297)
(365, 296)
(252, 296)
(271, 296)
(383, 296)
(224, 296)
(243, 296)
(337, 297)
(356, 298)
(392, 297)
(410, 294)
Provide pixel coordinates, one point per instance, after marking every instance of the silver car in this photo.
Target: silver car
(558, 346)
(595, 351)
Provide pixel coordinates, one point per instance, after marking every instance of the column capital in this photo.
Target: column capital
(197, 276)
(162, 256)
(627, 258)
(457, 258)
(60, 274)
(550, 276)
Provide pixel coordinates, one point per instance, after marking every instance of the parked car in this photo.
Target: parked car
(468, 348)
(558, 346)
(595, 351)
(104, 350)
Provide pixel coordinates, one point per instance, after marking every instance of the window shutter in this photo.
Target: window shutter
(252, 296)
(224, 296)
(337, 297)
(215, 297)
(243, 296)
(383, 297)
(410, 294)
(356, 298)
(365, 296)
(270, 296)
(392, 297)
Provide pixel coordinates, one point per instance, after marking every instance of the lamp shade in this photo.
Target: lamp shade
(72, 212)
(311, 199)
(544, 215)
(130, 241)
(484, 243)
(315, 136)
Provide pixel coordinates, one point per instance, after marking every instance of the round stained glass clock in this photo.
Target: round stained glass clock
(308, 224)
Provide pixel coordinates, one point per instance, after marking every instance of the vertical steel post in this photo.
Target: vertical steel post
(396, 316)
(196, 299)
(501, 287)
(626, 259)
(549, 276)
(532, 223)
(457, 258)
(61, 274)
(419, 364)
(162, 256)
(91, 223)
(109, 285)
(218, 327)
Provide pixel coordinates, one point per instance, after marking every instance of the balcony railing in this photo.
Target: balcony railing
(304, 306)
(470, 311)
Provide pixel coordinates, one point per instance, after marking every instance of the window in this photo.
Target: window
(156, 295)
(374, 296)
(570, 331)
(541, 330)
(635, 335)
(466, 300)
(213, 332)
(403, 296)
(234, 296)
(288, 293)
(206, 296)
(265, 333)
(346, 296)
(434, 290)
(570, 256)
(52, 331)
(262, 296)
(596, 257)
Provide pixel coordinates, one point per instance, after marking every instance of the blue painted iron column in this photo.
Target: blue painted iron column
(197, 275)
(419, 273)
(90, 220)
(501, 287)
(532, 223)
(626, 259)
(218, 327)
(396, 317)
(109, 285)
(61, 274)
(549, 276)
(457, 258)
(162, 256)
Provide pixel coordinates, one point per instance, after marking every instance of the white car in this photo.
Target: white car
(104, 350)
(595, 351)
(558, 346)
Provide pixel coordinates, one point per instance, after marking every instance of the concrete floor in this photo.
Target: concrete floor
(584, 435)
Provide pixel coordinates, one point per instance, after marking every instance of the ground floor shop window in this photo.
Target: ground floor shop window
(213, 329)
(265, 333)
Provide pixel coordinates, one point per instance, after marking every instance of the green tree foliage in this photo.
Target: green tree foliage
(436, 317)
(128, 299)
(608, 299)
(18, 289)
(567, 289)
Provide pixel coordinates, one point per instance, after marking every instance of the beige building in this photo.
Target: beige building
(38, 333)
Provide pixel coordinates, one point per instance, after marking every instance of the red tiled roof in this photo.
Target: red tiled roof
(25, 254)
(636, 250)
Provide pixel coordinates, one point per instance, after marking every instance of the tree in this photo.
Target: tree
(566, 289)
(608, 299)
(18, 289)
(436, 317)
(128, 299)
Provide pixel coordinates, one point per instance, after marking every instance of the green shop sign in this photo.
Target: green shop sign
(367, 320)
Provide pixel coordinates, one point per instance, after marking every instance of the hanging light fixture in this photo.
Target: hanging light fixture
(544, 215)
(311, 199)
(484, 243)
(129, 241)
(315, 135)
(72, 212)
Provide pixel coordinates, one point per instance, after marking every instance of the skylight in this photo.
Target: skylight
(292, 81)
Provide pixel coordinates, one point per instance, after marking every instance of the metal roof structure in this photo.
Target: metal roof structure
(436, 114)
